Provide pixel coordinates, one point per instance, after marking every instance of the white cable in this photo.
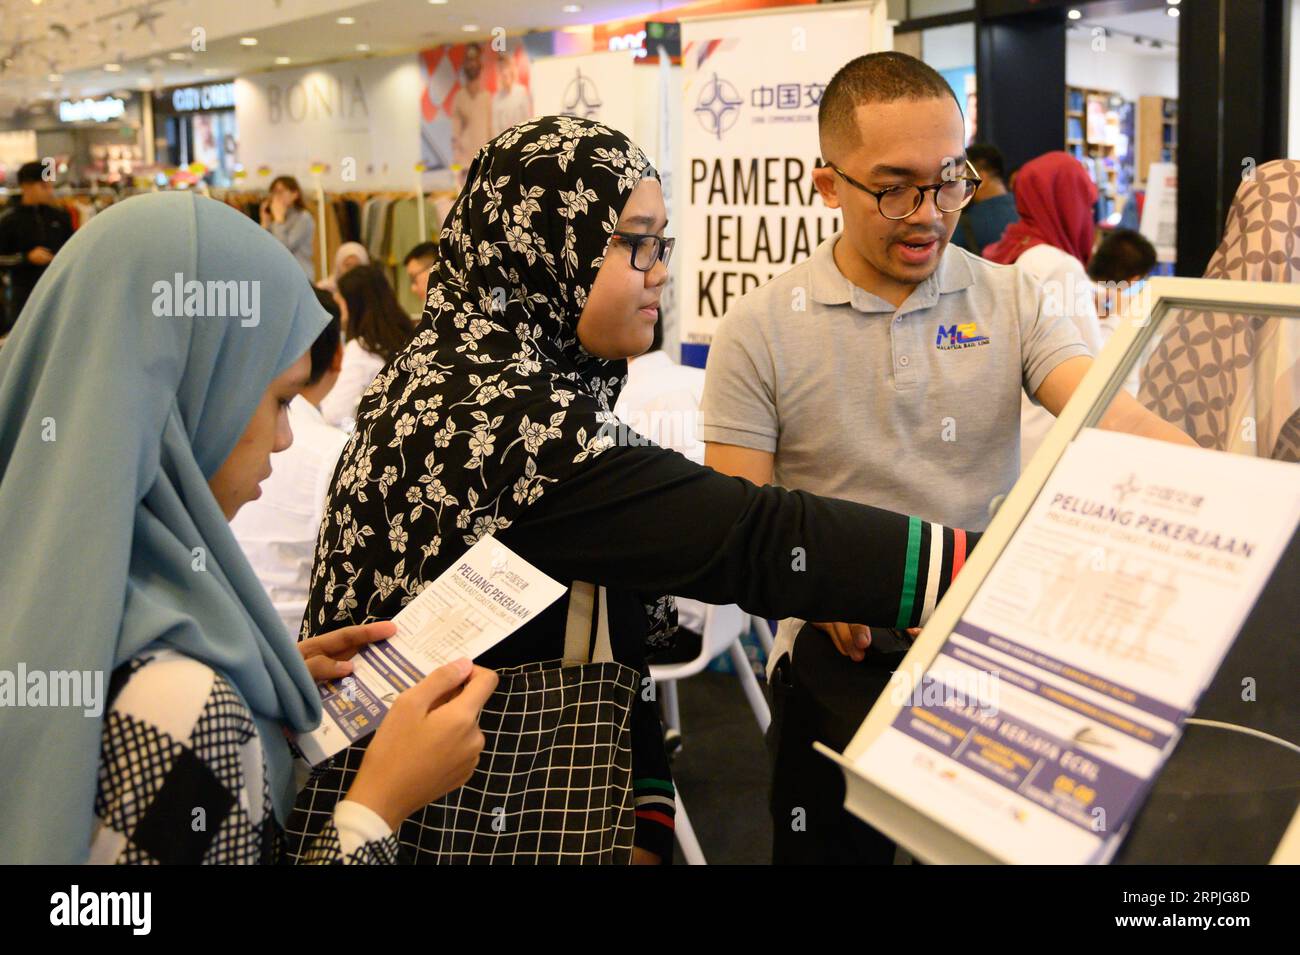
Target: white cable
(1245, 729)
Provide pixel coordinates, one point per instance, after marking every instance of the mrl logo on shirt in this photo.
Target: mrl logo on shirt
(959, 336)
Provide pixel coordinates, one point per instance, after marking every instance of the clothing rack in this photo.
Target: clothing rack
(386, 221)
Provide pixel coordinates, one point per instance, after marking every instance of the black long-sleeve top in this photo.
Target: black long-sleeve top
(26, 227)
(643, 521)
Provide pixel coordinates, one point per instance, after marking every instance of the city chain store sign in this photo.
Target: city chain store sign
(193, 99)
(751, 86)
(356, 119)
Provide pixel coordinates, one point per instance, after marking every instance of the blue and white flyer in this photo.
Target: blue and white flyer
(1038, 728)
(473, 605)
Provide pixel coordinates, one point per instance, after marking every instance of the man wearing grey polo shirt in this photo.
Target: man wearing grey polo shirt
(886, 369)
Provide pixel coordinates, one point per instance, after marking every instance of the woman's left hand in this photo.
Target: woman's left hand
(329, 656)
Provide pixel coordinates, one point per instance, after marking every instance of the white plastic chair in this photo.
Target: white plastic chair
(723, 628)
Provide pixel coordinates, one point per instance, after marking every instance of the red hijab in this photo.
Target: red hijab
(1054, 198)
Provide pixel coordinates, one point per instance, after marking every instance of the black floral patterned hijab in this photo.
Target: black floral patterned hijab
(494, 399)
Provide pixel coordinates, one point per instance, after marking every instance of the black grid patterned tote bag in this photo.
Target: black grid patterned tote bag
(554, 782)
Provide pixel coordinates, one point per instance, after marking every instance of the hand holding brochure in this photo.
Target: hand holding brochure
(473, 605)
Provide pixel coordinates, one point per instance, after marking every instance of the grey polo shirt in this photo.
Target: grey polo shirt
(915, 409)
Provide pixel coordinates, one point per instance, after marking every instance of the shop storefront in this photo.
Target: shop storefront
(196, 124)
(92, 141)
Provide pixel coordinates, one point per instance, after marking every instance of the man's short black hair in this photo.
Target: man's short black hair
(326, 345)
(1122, 255)
(874, 78)
(425, 250)
(989, 157)
(33, 171)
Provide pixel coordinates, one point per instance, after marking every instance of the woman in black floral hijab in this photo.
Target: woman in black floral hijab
(497, 419)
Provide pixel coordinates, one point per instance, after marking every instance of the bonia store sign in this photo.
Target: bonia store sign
(317, 97)
(359, 121)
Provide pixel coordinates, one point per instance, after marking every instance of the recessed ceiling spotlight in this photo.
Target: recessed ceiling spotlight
(1172, 11)
(248, 41)
(572, 8)
(177, 56)
(113, 67)
(346, 21)
(363, 47)
(438, 3)
(1074, 15)
(470, 28)
(283, 61)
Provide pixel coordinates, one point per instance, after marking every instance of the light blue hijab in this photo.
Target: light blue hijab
(112, 419)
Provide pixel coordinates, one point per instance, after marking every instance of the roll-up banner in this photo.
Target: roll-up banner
(747, 207)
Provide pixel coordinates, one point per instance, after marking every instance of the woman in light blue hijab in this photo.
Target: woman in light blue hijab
(138, 410)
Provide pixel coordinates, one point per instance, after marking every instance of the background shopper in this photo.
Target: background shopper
(992, 209)
(32, 231)
(285, 216)
(1051, 243)
(375, 327)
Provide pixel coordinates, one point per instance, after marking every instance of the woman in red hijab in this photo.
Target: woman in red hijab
(1052, 243)
(1054, 198)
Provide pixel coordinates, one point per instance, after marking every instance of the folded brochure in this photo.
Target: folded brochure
(482, 598)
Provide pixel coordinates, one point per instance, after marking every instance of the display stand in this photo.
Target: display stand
(324, 268)
(419, 202)
(925, 834)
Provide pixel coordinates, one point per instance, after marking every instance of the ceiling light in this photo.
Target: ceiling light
(572, 8)
(1172, 11)
(248, 41)
(438, 3)
(55, 77)
(363, 47)
(282, 61)
(113, 67)
(1173, 3)
(177, 56)
(346, 21)
(470, 28)
(1074, 14)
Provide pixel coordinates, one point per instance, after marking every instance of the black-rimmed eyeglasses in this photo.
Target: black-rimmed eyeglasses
(647, 249)
(899, 202)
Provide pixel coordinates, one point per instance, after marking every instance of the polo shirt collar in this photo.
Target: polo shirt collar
(830, 287)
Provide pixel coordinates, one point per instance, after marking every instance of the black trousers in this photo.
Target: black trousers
(824, 696)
